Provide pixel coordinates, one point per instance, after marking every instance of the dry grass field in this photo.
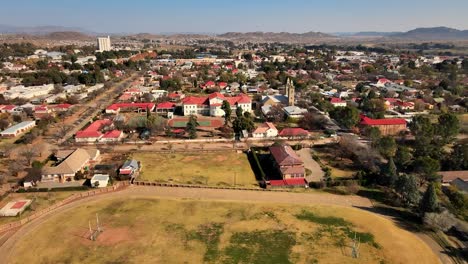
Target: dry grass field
(150, 230)
(41, 200)
(197, 168)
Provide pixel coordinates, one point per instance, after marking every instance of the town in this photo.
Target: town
(220, 116)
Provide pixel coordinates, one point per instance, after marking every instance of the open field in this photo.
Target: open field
(41, 200)
(340, 167)
(150, 230)
(223, 168)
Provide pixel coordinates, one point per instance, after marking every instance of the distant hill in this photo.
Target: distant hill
(275, 36)
(40, 30)
(67, 35)
(373, 34)
(434, 33)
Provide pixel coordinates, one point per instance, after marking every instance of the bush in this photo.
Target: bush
(439, 221)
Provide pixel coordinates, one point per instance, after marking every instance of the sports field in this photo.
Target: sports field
(220, 168)
(203, 122)
(151, 230)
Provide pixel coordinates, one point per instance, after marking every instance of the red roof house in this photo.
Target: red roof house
(293, 132)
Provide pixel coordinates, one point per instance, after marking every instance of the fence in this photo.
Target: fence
(72, 198)
(146, 183)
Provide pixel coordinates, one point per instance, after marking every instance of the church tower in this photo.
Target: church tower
(290, 92)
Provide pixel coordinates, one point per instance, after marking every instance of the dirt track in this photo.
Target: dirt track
(197, 194)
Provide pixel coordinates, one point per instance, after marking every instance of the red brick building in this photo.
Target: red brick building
(389, 126)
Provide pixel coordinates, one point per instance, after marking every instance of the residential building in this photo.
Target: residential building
(294, 132)
(266, 130)
(93, 134)
(288, 163)
(77, 161)
(18, 129)
(130, 107)
(337, 102)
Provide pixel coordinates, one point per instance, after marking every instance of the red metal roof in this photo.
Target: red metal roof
(366, 121)
(293, 132)
(63, 106)
(93, 130)
(284, 155)
(289, 182)
(165, 105)
(127, 105)
(192, 100)
(336, 100)
(113, 134)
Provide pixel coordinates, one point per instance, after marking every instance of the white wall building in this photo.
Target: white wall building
(104, 44)
(29, 92)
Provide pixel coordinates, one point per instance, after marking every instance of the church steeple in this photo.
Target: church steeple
(290, 92)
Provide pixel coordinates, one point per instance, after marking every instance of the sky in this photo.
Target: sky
(219, 16)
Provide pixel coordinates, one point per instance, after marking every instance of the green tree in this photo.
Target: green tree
(429, 203)
(244, 122)
(403, 157)
(347, 116)
(374, 135)
(239, 112)
(458, 159)
(407, 188)
(423, 131)
(42, 64)
(192, 125)
(389, 173)
(447, 128)
(387, 147)
(226, 107)
(427, 167)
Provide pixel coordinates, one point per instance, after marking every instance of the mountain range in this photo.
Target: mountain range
(41, 30)
(435, 33)
(429, 34)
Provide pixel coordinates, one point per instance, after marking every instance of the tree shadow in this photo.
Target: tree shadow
(404, 219)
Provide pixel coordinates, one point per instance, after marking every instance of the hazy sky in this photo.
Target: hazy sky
(236, 15)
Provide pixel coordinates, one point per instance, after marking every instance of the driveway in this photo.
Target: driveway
(311, 164)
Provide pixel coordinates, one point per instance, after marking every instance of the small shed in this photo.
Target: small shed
(100, 180)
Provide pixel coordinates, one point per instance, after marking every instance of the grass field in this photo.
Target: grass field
(149, 230)
(197, 168)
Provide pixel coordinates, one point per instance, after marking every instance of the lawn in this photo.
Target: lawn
(150, 230)
(41, 200)
(197, 168)
(340, 167)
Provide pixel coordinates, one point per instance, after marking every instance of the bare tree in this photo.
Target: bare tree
(3, 179)
(6, 149)
(62, 131)
(28, 153)
(15, 167)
